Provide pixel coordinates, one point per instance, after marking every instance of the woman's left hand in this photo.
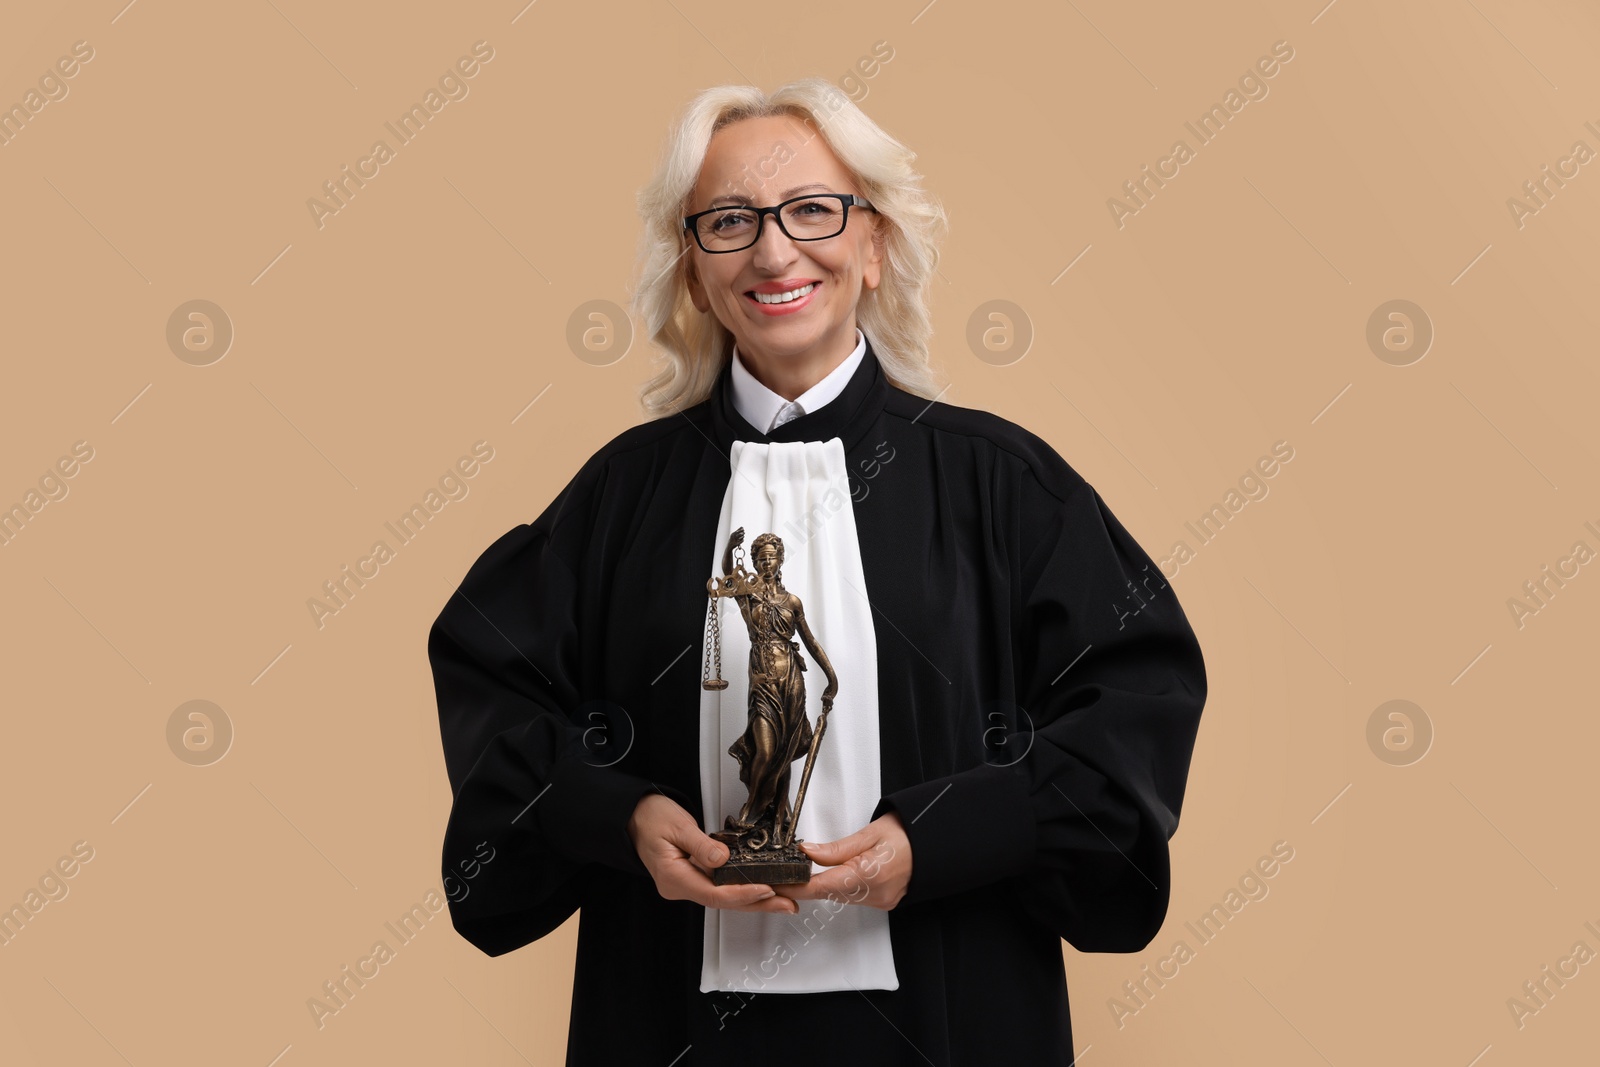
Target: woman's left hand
(871, 866)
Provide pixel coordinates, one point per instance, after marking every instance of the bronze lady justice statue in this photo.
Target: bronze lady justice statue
(777, 732)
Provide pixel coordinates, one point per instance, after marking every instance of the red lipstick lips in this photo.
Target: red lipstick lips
(788, 307)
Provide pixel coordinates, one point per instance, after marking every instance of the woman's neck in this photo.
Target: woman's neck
(791, 376)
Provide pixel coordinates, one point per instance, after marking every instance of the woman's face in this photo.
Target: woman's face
(767, 560)
(764, 161)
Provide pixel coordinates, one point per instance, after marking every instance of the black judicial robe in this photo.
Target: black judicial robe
(1039, 693)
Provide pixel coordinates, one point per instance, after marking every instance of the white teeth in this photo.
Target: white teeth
(784, 298)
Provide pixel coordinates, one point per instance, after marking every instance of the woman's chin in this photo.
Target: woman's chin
(783, 336)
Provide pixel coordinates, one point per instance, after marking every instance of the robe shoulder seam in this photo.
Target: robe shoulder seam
(1037, 456)
(645, 434)
(580, 491)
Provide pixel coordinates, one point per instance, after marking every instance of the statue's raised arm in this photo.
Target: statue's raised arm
(736, 580)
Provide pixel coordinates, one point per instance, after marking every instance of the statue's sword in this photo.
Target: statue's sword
(787, 836)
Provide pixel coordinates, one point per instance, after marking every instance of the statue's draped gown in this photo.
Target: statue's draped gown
(777, 695)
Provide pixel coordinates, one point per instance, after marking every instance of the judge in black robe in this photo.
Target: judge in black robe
(1013, 614)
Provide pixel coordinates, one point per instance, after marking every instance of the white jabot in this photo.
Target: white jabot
(800, 491)
(766, 410)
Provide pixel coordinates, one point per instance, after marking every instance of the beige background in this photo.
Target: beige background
(1228, 313)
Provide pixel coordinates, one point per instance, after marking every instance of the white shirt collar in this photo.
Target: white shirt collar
(766, 410)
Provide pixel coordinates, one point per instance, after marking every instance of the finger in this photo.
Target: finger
(830, 853)
(749, 898)
(682, 880)
(712, 854)
(842, 883)
(733, 896)
(690, 883)
(671, 856)
(776, 904)
(745, 896)
(703, 850)
(753, 896)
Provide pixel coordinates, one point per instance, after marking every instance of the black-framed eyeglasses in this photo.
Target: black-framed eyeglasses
(805, 218)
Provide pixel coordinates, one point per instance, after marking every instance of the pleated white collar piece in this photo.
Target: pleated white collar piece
(800, 491)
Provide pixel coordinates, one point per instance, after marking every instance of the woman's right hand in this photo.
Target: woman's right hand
(679, 856)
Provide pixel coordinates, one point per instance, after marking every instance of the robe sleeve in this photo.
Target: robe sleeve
(504, 654)
(1076, 830)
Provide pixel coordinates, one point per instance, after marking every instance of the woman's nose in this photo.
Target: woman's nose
(773, 247)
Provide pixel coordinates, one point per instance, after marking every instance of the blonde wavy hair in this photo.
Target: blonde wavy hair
(695, 345)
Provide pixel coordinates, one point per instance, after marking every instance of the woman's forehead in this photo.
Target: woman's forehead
(759, 159)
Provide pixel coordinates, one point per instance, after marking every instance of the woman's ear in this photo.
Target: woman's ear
(872, 270)
(697, 292)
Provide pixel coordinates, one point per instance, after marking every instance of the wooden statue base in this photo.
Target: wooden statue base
(765, 866)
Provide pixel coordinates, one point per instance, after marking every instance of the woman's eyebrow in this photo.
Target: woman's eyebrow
(787, 193)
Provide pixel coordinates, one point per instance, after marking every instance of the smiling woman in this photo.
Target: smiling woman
(1003, 761)
(732, 146)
